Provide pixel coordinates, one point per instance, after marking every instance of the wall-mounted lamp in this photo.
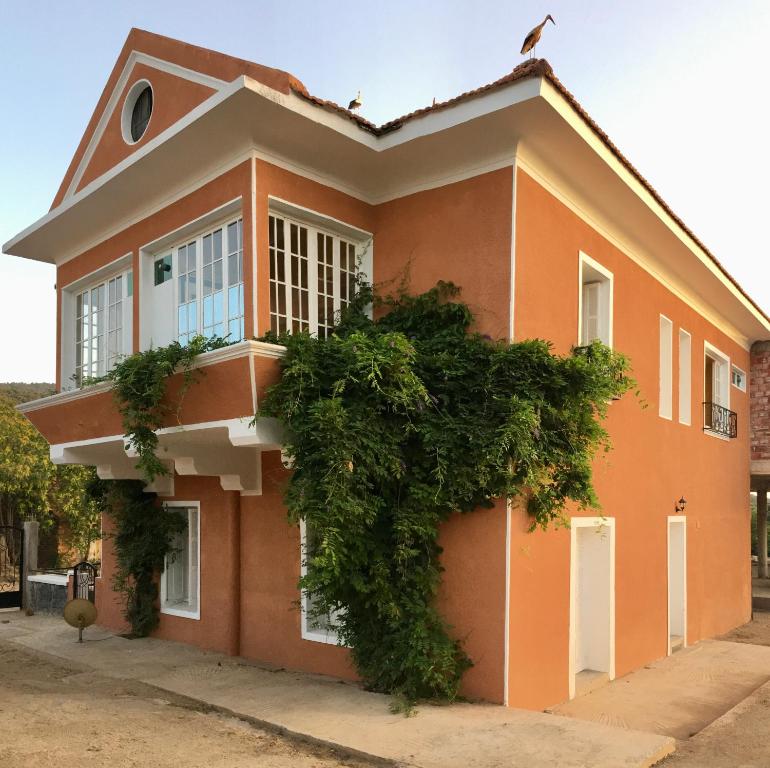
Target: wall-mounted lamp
(680, 505)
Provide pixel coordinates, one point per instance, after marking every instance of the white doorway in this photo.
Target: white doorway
(592, 603)
(677, 583)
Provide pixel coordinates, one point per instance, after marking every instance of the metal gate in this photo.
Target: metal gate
(11, 566)
(84, 581)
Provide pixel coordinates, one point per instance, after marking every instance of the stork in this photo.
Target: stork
(533, 38)
(355, 103)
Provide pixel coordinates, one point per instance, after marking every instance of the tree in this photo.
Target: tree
(31, 486)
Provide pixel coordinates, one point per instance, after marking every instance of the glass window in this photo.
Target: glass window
(180, 578)
(99, 328)
(140, 114)
(312, 276)
(315, 626)
(738, 378)
(595, 303)
(209, 295)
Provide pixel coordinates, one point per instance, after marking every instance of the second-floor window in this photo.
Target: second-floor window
(209, 295)
(595, 301)
(312, 276)
(99, 326)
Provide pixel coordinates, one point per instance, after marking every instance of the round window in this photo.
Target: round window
(137, 111)
(140, 114)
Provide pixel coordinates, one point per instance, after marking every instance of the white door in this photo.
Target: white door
(592, 597)
(677, 583)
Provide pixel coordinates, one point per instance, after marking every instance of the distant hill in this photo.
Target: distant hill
(21, 392)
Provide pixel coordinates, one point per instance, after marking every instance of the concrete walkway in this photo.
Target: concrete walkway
(324, 710)
(680, 695)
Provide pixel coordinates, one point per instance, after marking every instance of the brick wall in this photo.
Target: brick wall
(759, 399)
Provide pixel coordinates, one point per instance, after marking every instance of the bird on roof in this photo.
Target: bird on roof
(533, 38)
(355, 103)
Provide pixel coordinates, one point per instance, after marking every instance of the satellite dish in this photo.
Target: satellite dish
(80, 614)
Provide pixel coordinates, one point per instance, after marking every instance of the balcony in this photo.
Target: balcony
(719, 420)
(210, 434)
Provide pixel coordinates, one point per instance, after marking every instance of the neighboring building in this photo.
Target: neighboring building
(212, 195)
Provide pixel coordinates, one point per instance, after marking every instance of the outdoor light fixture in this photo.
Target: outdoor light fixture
(680, 505)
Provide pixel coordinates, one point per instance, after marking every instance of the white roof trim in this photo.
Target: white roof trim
(134, 58)
(578, 124)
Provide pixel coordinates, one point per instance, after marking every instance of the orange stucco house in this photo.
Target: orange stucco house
(213, 195)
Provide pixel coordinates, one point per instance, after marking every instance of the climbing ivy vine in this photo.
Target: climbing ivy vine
(143, 537)
(396, 423)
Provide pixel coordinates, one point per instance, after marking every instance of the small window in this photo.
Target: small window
(162, 270)
(180, 580)
(665, 384)
(137, 111)
(320, 628)
(140, 115)
(595, 300)
(738, 378)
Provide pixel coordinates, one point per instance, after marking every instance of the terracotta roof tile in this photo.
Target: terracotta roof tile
(528, 69)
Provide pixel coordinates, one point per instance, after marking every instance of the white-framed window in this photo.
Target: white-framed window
(318, 628)
(595, 301)
(716, 383)
(180, 580)
(102, 325)
(665, 374)
(685, 377)
(312, 275)
(209, 283)
(738, 378)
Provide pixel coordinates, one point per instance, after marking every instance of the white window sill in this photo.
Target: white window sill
(329, 638)
(184, 613)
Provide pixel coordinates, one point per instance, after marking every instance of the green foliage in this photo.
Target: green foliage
(395, 424)
(32, 487)
(143, 536)
(139, 387)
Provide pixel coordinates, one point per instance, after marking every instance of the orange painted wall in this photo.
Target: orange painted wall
(462, 233)
(654, 462)
(459, 233)
(270, 568)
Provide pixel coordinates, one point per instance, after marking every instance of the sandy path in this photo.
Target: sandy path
(52, 715)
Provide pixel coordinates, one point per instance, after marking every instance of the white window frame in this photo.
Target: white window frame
(733, 370)
(675, 520)
(315, 223)
(607, 298)
(665, 368)
(328, 636)
(197, 237)
(193, 612)
(709, 350)
(70, 293)
(685, 378)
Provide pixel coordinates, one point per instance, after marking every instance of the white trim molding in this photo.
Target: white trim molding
(609, 279)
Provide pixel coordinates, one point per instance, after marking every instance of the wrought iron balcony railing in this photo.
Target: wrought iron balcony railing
(720, 420)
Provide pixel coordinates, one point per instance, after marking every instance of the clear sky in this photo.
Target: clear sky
(681, 87)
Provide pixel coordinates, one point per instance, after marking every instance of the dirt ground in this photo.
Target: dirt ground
(740, 739)
(54, 715)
